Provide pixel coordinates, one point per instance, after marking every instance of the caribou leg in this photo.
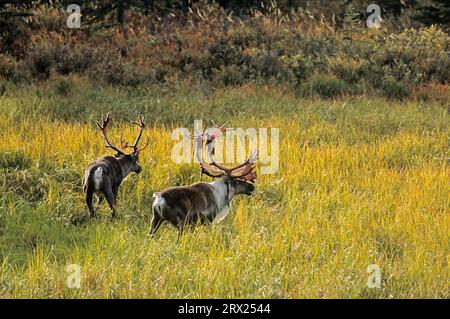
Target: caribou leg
(156, 222)
(89, 197)
(99, 201)
(111, 200)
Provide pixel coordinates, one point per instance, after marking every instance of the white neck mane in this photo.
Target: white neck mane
(223, 195)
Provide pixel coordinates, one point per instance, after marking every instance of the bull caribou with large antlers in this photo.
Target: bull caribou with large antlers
(204, 202)
(104, 176)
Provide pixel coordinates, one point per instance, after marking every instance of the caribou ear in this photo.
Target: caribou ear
(134, 156)
(226, 179)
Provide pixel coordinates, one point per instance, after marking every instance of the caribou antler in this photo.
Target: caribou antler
(141, 125)
(106, 119)
(212, 134)
(242, 171)
(140, 122)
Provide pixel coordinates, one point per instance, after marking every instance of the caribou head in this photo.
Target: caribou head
(131, 158)
(104, 176)
(240, 179)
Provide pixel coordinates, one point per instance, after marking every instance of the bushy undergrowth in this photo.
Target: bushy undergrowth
(327, 87)
(207, 45)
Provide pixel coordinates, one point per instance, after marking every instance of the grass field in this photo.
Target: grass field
(362, 181)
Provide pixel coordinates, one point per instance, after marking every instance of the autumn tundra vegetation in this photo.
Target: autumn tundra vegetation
(363, 174)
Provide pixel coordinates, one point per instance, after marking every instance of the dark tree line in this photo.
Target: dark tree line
(428, 12)
(435, 12)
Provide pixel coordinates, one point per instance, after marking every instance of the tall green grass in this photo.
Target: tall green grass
(361, 181)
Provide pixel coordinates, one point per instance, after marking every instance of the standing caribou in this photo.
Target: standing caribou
(104, 176)
(203, 202)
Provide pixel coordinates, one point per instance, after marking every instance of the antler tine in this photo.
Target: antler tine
(106, 119)
(141, 125)
(208, 171)
(246, 171)
(201, 135)
(222, 126)
(249, 168)
(215, 169)
(249, 176)
(229, 170)
(144, 147)
(210, 137)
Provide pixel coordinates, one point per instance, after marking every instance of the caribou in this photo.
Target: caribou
(203, 202)
(104, 176)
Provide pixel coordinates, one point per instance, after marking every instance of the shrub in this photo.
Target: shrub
(21, 73)
(223, 52)
(64, 59)
(348, 69)
(232, 51)
(158, 74)
(118, 72)
(433, 92)
(442, 74)
(415, 56)
(7, 66)
(41, 59)
(301, 67)
(269, 66)
(328, 87)
(231, 75)
(73, 59)
(2, 87)
(394, 89)
(63, 86)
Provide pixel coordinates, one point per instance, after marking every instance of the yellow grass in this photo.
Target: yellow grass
(311, 230)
